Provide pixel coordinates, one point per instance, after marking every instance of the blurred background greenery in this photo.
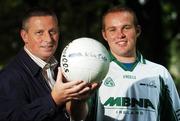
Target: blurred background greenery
(160, 21)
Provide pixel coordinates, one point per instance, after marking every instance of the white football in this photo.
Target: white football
(85, 59)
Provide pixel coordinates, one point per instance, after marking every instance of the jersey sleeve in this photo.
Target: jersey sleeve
(169, 98)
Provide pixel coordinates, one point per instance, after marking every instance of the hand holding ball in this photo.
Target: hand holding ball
(85, 59)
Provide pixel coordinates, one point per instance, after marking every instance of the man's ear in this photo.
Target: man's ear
(138, 30)
(24, 36)
(104, 34)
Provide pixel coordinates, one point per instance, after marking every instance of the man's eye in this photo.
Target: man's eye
(127, 27)
(39, 33)
(112, 30)
(53, 32)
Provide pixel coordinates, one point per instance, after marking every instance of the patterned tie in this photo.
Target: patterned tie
(48, 75)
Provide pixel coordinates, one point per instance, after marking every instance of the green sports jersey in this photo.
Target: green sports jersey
(146, 92)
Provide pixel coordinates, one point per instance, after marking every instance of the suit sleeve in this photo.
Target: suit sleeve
(16, 102)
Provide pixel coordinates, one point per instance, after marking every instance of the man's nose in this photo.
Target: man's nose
(48, 37)
(121, 34)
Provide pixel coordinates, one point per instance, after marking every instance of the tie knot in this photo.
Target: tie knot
(47, 66)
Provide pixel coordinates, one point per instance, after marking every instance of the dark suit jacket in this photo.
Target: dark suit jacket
(24, 94)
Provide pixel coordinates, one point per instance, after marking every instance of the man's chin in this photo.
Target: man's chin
(47, 56)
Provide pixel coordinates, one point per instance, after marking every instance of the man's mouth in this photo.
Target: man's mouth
(121, 43)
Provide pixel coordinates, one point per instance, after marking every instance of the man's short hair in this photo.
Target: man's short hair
(119, 9)
(36, 11)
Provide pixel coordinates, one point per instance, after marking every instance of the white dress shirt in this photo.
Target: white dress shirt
(47, 67)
